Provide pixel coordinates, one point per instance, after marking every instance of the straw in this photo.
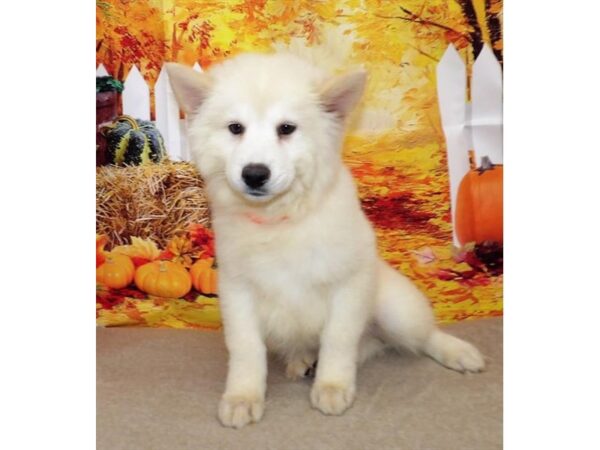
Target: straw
(156, 201)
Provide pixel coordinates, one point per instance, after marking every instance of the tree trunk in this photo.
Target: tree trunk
(475, 33)
(495, 27)
(175, 44)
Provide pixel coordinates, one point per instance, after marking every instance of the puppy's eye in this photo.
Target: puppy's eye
(286, 128)
(236, 128)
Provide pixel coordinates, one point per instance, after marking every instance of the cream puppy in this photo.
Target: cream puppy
(299, 270)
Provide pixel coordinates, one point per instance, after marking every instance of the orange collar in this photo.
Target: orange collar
(259, 220)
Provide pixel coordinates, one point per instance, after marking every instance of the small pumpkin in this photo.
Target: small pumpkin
(116, 272)
(479, 204)
(163, 279)
(133, 142)
(141, 251)
(204, 276)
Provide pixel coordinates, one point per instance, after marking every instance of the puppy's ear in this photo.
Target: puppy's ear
(191, 88)
(341, 94)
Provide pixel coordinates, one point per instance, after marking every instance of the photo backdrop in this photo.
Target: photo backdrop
(396, 147)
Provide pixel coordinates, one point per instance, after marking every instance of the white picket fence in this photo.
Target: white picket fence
(136, 103)
(474, 125)
(467, 125)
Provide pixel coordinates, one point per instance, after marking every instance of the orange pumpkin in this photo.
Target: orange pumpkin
(479, 210)
(116, 272)
(163, 279)
(204, 276)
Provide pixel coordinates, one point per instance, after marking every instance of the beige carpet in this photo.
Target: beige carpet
(159, 388)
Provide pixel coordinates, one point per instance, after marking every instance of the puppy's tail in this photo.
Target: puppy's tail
(402, 312)
(405, 319)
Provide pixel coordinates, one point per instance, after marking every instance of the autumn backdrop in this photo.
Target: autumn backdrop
(396, 146)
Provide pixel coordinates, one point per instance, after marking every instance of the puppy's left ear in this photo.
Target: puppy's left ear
(341, 94)
(191, 88)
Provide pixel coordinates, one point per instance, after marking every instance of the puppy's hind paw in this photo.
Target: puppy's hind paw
(301, 369)
(239, 410)
(454, 353)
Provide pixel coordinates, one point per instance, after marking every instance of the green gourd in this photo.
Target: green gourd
(133, 142)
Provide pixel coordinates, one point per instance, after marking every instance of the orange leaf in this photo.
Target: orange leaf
(101, 241)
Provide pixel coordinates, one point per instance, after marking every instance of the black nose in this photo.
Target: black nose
(255, 175)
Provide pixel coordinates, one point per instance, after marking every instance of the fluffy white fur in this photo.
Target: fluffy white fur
(299, 272)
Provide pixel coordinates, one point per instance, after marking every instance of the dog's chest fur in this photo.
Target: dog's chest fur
(294, 267)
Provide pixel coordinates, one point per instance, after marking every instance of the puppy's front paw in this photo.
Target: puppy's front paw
(239, 410)
(332, 398)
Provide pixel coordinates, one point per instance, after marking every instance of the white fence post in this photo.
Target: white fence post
(486, 94)
(185, 144)
(452, 85)
(136, 95)
(101, 71)
(167, 116)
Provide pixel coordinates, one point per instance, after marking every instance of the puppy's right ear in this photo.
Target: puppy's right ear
(191, 88)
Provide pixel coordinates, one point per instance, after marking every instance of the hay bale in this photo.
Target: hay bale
(156, 201)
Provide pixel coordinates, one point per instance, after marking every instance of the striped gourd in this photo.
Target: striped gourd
(133, 142)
